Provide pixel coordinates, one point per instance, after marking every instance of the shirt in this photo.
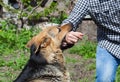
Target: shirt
(106, 15)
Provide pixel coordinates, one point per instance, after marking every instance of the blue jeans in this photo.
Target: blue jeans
(106, 65)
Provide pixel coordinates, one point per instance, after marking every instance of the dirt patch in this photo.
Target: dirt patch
(83, 70)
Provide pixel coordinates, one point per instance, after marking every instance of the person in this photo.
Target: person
(106, 15)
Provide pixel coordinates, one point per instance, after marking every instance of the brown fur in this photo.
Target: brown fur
(47, 45)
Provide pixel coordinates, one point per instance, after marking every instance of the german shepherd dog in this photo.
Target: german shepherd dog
(46, 63)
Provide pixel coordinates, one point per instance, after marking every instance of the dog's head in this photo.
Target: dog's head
(47, 43)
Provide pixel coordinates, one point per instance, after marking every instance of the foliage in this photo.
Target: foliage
(118, 75)
(11, 38)
(27, 12)
(13, 53)
(26, 2)
(71, 60)
(59, 19)
(85, 49)
(14, 63)
(47, 11)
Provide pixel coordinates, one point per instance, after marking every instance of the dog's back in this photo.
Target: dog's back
(46, 63)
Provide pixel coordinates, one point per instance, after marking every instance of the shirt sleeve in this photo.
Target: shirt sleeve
(78, 13)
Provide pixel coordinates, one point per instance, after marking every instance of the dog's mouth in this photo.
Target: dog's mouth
(50, 36)
(63, 30)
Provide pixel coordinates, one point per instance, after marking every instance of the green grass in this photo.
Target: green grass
(118, 75)
(11, 65)
(71, 60)
(13, 53)
(84, 48)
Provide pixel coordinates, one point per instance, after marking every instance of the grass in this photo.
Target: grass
(71, 60)
(84, 48)
(11, 65)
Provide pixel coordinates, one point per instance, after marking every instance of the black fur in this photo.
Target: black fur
(35, 63)
(66, 47)
(37, 57)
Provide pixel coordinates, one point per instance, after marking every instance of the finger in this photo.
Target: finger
(72, 40)
(74, 36)
(78, 35)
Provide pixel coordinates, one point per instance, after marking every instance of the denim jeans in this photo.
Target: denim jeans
(106, 65)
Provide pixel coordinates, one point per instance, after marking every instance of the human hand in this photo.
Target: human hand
(70, 39)
(73, 37)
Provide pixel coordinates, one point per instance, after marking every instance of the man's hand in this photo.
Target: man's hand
(73, 37)
(70, 39)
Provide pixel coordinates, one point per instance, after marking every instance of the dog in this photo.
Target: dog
(46, 63)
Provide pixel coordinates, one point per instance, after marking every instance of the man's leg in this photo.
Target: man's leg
(106, 66)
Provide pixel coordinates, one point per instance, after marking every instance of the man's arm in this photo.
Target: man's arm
(76, 16)
(78, 12)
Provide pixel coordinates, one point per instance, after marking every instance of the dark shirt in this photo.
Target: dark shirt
(106, 15)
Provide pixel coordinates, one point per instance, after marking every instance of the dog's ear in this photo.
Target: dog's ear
(64, 30)
(39, 42)
(36, 41)
(45, 42)
(67, 27)
(30, 43)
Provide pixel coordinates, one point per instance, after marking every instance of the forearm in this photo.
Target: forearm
(78, 13)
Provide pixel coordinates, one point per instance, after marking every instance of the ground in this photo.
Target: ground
(81, 69)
